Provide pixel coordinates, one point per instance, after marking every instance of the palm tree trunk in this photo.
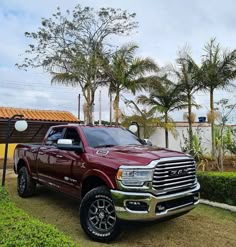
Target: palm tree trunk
(116, 108)
(212, 123)
(166, 131)
(190, 132)
(89, 108)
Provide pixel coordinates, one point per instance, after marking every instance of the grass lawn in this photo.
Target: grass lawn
(203, 226)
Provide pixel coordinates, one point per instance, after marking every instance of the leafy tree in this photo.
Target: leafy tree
(72, 46)
(127, 72)
(165, 98)
(218, 71)
(222, 134)
(146, 118)
(231, 142)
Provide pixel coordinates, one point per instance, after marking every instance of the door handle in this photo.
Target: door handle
(59, 156)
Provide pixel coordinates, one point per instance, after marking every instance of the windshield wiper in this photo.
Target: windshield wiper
(105, 146)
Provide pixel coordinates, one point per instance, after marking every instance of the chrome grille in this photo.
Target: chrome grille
(174, 174)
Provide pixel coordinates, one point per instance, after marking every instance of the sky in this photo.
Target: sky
(165, 26)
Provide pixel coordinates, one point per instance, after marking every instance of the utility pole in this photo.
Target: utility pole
(100, 108)
(79, 106)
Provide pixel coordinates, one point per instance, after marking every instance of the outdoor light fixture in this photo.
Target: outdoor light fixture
(20, 125)
(134, 128)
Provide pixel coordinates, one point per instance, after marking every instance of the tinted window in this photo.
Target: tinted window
(99, 137)
(54, 135)
(73, 135)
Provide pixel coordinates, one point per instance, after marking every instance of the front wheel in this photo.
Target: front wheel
(97, 215)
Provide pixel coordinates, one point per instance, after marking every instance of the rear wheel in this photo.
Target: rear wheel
(97, 215)
(26, 186)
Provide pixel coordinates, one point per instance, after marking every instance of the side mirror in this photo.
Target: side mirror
(67, 144)
(147, 142)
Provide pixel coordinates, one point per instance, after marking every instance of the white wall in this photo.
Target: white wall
(204, 132)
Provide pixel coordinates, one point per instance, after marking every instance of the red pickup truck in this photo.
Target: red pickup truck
(114, 174)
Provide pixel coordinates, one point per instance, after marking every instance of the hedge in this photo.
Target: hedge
(218, 186)
(19, 229)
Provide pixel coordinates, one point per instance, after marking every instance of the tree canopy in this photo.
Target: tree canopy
(73, 46)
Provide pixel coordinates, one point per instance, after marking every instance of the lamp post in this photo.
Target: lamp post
(20, 125)
(134, 127)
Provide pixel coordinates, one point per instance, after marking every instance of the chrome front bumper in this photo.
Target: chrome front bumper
(169, 204)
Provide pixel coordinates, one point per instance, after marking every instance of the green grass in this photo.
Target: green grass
(19, 229)
(204, 226)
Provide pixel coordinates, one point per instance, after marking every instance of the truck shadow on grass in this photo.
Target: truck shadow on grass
(68, 203)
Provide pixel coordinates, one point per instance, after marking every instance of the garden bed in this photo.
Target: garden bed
(218, 186)
(19, 229)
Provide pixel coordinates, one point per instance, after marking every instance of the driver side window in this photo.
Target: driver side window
(54, 135)
(72, 134)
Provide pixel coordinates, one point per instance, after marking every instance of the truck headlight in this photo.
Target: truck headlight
(134, 177)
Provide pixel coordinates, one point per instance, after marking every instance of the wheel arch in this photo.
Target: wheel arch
(94, 179)
(22, 163)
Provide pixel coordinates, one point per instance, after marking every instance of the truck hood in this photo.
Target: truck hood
(136, 155)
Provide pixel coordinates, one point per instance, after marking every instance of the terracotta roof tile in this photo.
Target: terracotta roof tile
(40, 115)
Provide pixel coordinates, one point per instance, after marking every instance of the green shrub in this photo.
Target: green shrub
(218, 186)
(19, 229)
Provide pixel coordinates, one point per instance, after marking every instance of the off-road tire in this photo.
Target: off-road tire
(26, 186)
(96, 213)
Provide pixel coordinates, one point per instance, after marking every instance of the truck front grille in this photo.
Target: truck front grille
(173, 175)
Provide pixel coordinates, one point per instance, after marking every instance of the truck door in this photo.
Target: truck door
(66, 161)
(47, 156)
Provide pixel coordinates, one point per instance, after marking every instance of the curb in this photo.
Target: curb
(218, 205)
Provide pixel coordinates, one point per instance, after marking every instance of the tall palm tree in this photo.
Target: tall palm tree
(218, 71)
(187, 80)
(165, 99)
(128, 72)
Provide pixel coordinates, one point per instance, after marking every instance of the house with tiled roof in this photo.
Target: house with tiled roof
(39, 122)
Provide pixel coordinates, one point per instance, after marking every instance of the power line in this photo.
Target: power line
(27, 85)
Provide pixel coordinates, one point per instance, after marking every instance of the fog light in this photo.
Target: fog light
(137, 206)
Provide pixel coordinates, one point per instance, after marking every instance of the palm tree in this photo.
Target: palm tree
(165, 99)
(144, 117)
(87, 71)
(218, 70)
(127, 72)
(187, 80)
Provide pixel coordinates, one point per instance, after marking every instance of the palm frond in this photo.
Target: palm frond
(67, 79)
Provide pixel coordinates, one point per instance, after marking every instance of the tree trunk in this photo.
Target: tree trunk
(212, 123)
(190, 131)
(222, 149)
(89, 107)
(166, 131)
(116, 108)
(90, 113)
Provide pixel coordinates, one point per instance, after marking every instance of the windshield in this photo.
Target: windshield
(108, 137)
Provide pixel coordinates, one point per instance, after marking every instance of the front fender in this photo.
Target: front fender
(23, 159)
(101, 175)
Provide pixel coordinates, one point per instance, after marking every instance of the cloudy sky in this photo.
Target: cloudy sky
(165, 26)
